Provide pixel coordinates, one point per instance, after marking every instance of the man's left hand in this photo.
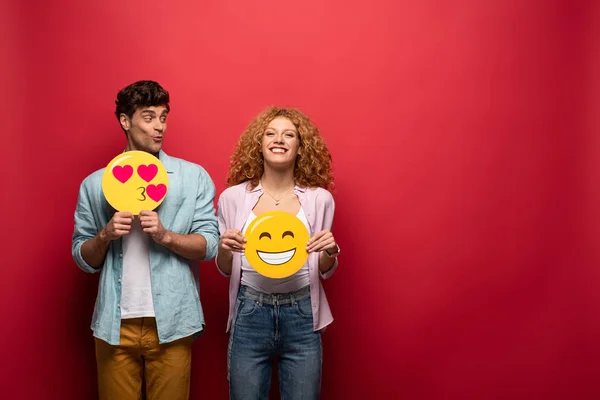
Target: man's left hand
(152, 226)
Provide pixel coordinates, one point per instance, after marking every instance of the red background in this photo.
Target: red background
(465, 145)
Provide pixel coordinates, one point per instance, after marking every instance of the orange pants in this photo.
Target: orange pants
(164, 367)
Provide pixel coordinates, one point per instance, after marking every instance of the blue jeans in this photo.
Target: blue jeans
(269, 327)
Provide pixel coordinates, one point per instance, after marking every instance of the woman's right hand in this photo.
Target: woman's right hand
(232, 240)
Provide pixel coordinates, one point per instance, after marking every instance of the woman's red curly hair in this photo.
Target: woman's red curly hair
(313, 165)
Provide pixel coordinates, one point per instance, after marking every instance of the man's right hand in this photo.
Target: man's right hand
(118, 226)
(94, 250)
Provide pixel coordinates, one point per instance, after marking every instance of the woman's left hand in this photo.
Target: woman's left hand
(321, 241)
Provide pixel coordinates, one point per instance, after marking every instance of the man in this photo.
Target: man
(148, 309)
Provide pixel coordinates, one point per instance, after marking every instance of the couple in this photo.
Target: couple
(148, 309)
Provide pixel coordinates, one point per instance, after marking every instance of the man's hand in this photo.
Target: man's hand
(152, 226)
(118, 226)
(94, 250)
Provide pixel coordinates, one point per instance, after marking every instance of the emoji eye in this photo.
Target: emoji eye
(264, 234)
(287, 233)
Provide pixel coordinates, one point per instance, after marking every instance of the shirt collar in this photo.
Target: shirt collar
(168, 162)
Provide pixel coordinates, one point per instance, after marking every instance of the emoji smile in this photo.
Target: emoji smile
(276, 258)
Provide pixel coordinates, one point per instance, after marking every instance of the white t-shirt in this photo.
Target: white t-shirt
(271, 285)
(136, 289)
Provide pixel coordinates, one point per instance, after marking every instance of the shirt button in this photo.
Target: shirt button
(119, 281)
(121, 255)
(118, 305)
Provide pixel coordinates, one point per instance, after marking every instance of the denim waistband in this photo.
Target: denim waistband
(275, 298)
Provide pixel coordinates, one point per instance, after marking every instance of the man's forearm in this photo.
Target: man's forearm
(94, 250)
(192, 246)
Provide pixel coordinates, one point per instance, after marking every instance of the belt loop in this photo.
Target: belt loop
(292, 300)
(260, 298)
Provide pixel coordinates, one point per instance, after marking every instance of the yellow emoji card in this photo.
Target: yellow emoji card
(276, 244)
(134, 181)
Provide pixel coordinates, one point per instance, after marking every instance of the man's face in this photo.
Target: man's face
(146, 128)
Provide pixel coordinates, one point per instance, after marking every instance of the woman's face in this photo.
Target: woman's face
(280, 143)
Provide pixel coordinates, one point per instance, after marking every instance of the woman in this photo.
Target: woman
(280, 164)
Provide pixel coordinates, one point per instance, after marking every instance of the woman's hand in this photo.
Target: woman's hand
(323, 241)
(232, 240)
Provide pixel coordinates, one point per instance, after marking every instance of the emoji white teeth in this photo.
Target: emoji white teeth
(276, 258)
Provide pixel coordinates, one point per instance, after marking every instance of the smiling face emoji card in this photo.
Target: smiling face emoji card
(276, 244)
(135, 181)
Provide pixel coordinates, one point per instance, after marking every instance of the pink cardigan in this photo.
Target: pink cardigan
(235, 205)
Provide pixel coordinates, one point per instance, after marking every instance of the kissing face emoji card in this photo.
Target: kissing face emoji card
(134, 181)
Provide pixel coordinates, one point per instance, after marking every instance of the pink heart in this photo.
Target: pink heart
(122, 173)
(147, 172)
(156, 192)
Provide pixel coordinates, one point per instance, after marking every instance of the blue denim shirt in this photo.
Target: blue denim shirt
(187, 208)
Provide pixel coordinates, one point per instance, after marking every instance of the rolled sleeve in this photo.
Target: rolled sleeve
(84, 229)
(205, 221)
